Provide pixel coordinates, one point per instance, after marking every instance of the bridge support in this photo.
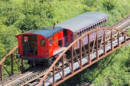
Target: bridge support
(97, 55)
(1, 72)
(12, 64)
(104, 41)
(72, 57)
(80, 42)
(22, 65)
(89, 58)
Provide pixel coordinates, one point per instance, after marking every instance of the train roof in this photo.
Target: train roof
(75, 24)
(46, 31)
(84, 20)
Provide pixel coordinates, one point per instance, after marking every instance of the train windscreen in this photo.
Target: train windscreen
(30, 45)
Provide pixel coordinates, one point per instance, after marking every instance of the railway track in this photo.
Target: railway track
(24, 79)
(125, 22)
(32, 76)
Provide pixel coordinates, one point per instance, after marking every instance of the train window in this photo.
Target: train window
(42, 42)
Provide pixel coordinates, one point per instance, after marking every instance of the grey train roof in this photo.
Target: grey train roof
(75, 24)
(84, 20)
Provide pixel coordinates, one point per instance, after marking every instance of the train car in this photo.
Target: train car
(84, 23)
(43, 45)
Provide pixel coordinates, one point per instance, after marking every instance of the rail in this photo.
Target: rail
(122, 23)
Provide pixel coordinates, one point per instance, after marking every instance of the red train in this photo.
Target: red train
(43, 45)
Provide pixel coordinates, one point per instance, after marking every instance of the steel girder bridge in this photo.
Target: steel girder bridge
(70, 62)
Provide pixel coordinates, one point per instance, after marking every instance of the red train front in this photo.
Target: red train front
(42, 45)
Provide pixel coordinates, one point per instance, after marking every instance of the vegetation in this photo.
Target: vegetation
(17, 16)
(112, 71)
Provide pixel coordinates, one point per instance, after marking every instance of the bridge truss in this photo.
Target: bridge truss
(103, 42)
(92, 47)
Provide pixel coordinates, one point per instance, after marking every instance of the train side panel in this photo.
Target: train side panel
(92, 37)
(20, 49)
(54, 42)
(42, 47)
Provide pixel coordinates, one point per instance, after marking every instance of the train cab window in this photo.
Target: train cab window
(29, 45)
(42, 42)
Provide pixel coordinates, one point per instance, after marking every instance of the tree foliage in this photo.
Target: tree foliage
(18, 16)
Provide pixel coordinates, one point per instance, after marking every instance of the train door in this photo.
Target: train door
(51, 47)
(42, 49)
(68, 37)
(65, 37)
(60, 39)
(30, 45)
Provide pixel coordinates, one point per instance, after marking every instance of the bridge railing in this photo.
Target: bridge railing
(99, 43)
(10, 64)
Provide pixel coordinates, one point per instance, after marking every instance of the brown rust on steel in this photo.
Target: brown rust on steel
(97, 44)
(111, 40)
(54, 63)
(86, 66)
(104, 41)
(1, 72)
(12, 64)
(54, 75)
(43, 83)
(2, 61)
(124, 37)
(72, 55)
(122, 31)
(84, 50)
(89, 59)
(7, 55)
(118, 38)
(80, 41)
(63, 67)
